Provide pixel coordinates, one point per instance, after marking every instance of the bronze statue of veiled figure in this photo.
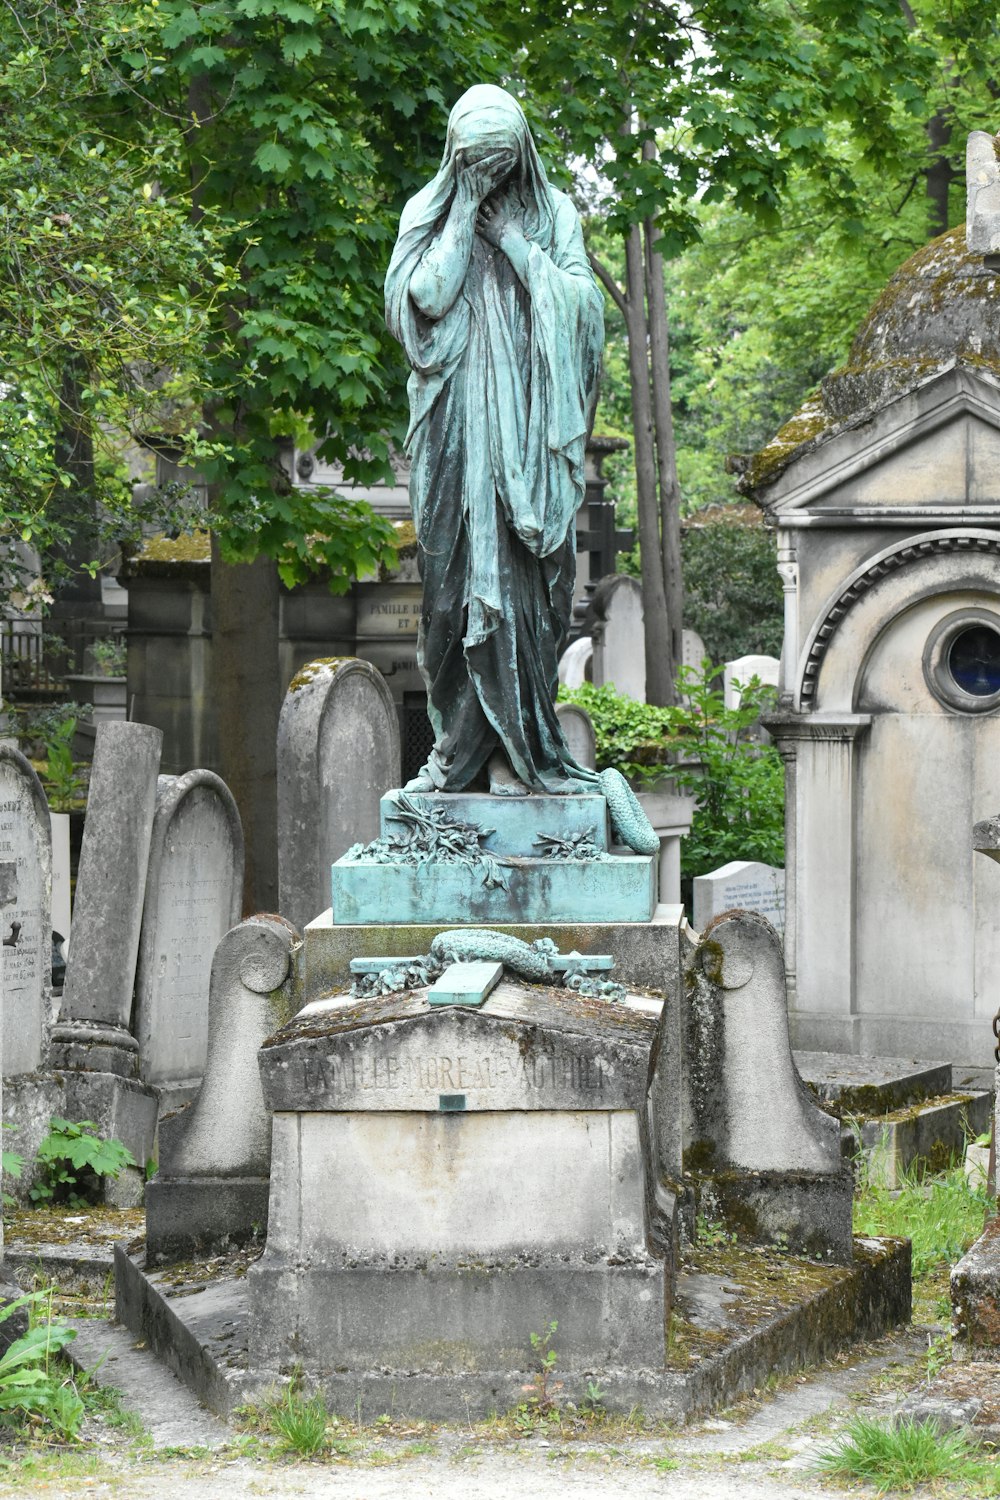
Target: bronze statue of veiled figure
(491, 295)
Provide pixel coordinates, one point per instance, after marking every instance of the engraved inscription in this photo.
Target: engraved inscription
(458, 1072)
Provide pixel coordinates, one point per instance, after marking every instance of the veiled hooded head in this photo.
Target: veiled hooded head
(486, 119)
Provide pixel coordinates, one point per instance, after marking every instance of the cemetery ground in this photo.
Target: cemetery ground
(143, 1435)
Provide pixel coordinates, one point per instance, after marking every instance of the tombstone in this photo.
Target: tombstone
(399, 1237)
(61, 918)
(25, 913)
(93, 1028)
(194, 891)
(619, 650)
(576, 665)
(741, 885)
(736, 675)
(212, 1183)
(338, 753)
(982, 215)
(578, 730)
(693, 651)
(761, 1153)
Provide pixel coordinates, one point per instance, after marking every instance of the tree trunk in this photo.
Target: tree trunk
(939, 174)
(666, 447)
(247, 692)
(659, 672)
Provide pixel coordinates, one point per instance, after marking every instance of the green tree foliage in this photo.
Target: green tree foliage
(106, 289)
(732, 591)
(307, 124)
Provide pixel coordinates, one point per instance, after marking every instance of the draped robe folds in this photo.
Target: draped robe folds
(501, 396)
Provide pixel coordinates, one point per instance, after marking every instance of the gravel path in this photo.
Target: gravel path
(765, 1451)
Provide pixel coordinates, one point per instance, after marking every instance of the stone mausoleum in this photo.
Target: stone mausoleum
(884, 491)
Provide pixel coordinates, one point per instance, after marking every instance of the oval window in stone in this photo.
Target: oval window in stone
(974, 660)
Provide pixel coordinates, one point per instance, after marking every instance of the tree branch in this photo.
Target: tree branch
(609, 284)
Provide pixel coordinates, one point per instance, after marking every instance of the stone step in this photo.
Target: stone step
(515, 822)
(860, 1087)
(932, 1134)
(900, 1111)
(614, 888)
(169, 1411)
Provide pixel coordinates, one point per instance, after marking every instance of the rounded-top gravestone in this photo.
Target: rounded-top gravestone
(25, 912)
(338, 753)
(194, 894)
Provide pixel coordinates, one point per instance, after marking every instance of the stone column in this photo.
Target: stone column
(820, 873)
(788, 570)
(93, 1028)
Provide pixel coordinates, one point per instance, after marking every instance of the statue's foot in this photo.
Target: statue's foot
(503, 782)
(422, 782)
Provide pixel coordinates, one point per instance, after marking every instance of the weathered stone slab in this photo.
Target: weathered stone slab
(338, 752)
(646, 954)
(849, 1085)
(214, 1157)
(93, 1028)
(975, 1299)
(576, 725)
(621, 888)
(537, 1050)
(515, 823)
(764, 1156)
(25, 913)
(194, 894)
(740, 885)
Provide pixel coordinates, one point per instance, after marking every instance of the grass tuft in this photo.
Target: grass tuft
(898, 1458)
(300, 1421)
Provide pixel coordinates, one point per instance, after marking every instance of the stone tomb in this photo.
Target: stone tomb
(194, 894)
(25, 913)
(446, 1181)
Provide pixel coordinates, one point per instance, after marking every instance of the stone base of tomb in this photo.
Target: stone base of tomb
(120, 1108)
(448, 1180)
(201, 1215)
(647, 954)
(738, 1319)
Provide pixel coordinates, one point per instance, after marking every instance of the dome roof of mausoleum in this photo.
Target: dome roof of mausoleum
(941, 308)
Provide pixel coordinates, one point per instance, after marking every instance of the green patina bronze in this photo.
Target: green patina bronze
(492, 297)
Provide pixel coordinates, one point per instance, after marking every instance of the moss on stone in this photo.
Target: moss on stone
(940, 308)
(193, 546)
(314, 669)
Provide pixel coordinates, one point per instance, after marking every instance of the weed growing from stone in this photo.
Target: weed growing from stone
(36, 1388)
(896, 1459)
(300, 1421)
(73, 1159)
